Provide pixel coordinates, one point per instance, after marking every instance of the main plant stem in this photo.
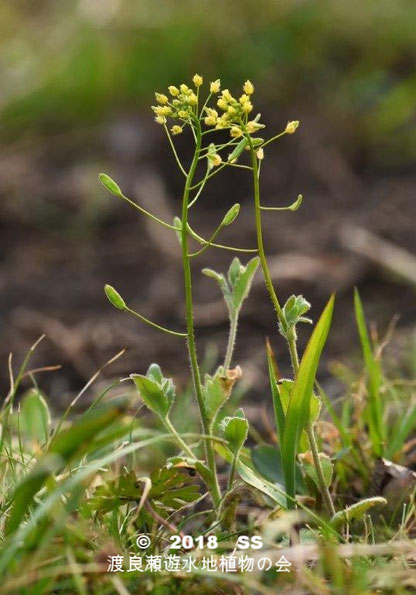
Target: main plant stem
(196, 375)
(290, 337)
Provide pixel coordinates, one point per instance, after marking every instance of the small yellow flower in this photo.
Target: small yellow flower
(252, 126)
(227, 95)
(161, 98)
(222, 104)
(183, 114)
(248, 87)
(210, 121)
(176, 129)
(231, 110)
(160, 119)
(260, 154)
(165, 110)
(215, 86)
(211, 112)
(236, 132)
(184, 89)
(197, 80)
(221, 124)
(247, 107)
(158, 109)
(292, 126)
(215, 159)
(192, 99)
(243, 99)
(174, 91)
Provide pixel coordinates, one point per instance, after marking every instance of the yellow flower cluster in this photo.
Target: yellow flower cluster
(180, 106)
(235, 111)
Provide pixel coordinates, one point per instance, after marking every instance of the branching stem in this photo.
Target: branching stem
(196, 375)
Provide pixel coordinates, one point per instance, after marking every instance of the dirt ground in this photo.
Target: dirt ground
(63, 237)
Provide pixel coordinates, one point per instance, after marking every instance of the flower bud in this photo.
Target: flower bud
(174, 91)
(222, 104)
(247, 107)
(176, 129)
(160, 119)
(197, 80)
(227, 95)
(292, 126)
(210, 121)
(248, 87)
(215, 86)
(183, 114)
(192, 99)
(184, 89)
(215, 159)
(260, 154)
(161, 98)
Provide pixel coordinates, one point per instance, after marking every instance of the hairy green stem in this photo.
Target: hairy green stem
(170, 428)
(291, 337)
(231, 342)
(196, 375)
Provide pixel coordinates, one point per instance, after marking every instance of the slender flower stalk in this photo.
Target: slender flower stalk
(290, 336)
(187, 274)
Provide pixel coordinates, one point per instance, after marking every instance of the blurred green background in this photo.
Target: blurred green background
(77, 80)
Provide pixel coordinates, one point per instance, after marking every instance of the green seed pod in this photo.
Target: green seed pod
(231, 214)
(257, 141)
(110, 184)
(238, 150)
(114, 297)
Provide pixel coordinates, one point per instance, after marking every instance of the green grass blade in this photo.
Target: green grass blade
(279, 413)
(62, 449)
(404, 430)
(299, 406)
(375, 409)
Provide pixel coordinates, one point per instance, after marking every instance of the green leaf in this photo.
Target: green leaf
(251, 477)
(235, 432)
(110, 184)
(219, 278)
(234, 271)
(298, 412)
(267, 461)
(157, 392)
(242, 283)
(114, 297)
(375, 406)
(215, 394)
(310, 470)
(356, 511)
(34, 417)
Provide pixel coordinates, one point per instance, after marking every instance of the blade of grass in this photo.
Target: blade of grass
(375, 406)
(299, 405)
(279, 413)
